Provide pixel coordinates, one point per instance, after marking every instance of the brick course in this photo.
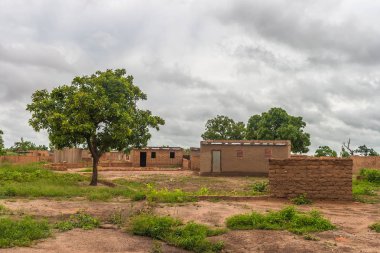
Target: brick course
(319, 178)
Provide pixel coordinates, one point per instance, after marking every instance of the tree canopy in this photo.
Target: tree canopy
(2, 151)
(223, 128)
(363, 150)
(23, 145)
(325, 151)
(277, 124)
(99, 111)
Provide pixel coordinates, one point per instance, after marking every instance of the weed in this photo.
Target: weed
(260, 186)
(22, 232)
(78, 220)
(139, 196)
(301, 200)
(157, 247)
(286, 219)
(375, 227)
(117, 218)
(190, 236)
(370, 175)
(310, 237)
(203, 191)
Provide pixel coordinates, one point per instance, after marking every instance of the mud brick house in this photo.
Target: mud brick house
(237, 157)
(157, 157)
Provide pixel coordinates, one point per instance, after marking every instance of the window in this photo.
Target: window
(153, 155)
(239, 153)
(172, 154)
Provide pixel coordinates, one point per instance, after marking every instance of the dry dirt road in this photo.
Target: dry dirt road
(352, 220)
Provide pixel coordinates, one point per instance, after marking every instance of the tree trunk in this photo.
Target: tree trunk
(94, 179)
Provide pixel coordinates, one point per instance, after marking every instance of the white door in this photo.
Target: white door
(216, 161)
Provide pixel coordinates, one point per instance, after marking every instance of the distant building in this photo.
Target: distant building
(237, 157)
(157, 157)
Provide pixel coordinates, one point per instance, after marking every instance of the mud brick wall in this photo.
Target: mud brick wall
(186, 164)
(360, 162)
(319, 178)
(195, 154)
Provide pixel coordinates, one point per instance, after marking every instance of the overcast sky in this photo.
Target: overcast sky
(196, 59)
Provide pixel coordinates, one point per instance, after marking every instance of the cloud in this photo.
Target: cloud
(198, 59)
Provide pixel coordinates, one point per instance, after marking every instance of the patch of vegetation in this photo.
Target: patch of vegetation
(286, 219)
(118, 218)
(370, 175)
(310, 237)
(33, 180)
(190, 236)
(301, 200)
(167, 196)
(78, 220)
(86, 170)
(22, 232)
(261, 186)
(375, 227)
(366, 189)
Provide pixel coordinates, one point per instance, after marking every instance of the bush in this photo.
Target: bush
(286, 219)
(301, 200)
(191, 236)
(260, 186)
(375, 227)
(78, 220)
(22, 232)
(370, 175)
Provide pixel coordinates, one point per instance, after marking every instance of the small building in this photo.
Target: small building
(157, 157)
(68, 155)
(195, 154)
(237, 157)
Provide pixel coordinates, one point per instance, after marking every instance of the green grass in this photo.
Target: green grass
(286, 219)
(367, 188)
(22, 232)
(261, 186)
(78, 220)
(375, 227)
(190, 236)
(301, 200)
(33, 180)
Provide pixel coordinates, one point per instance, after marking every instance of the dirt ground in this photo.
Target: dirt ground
(352, 220)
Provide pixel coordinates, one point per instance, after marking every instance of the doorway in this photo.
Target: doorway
(216, 163)
(142, 159)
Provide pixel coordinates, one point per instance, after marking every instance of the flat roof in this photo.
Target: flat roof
(159, 148)
(247, 142)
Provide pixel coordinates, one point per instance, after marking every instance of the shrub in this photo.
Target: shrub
(375, 227)
(286, 219)
(260, 186)
(301, 200)
(370, 175)
(78, 220)
(191, 236)
(22, 232)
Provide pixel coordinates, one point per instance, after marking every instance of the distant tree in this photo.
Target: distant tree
(365, 151)
(277, 124)
(346, 149)
(26, 145)
(344, 153)
(325, 151)
(99, 111)
(224, 128)
(2, 151)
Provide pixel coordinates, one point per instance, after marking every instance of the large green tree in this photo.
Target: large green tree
(277, 124)
(2, 151)
(99, 111)
(363, 150)
(223, 128)
(325, 151)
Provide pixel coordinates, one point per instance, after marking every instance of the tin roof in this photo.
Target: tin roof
(247, 142)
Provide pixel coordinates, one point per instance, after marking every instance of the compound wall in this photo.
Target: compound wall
(319, 178)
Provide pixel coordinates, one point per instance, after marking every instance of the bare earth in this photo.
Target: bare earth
(351, 218)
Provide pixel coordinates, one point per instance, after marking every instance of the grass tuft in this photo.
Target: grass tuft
(286, 219)
(375, 227)
(22, 232)
(301, 200)
(78, 220)
(190, 236)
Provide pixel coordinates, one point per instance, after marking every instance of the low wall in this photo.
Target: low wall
(319, 178)
(361, 162)
(19, 159)
(65, 166)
